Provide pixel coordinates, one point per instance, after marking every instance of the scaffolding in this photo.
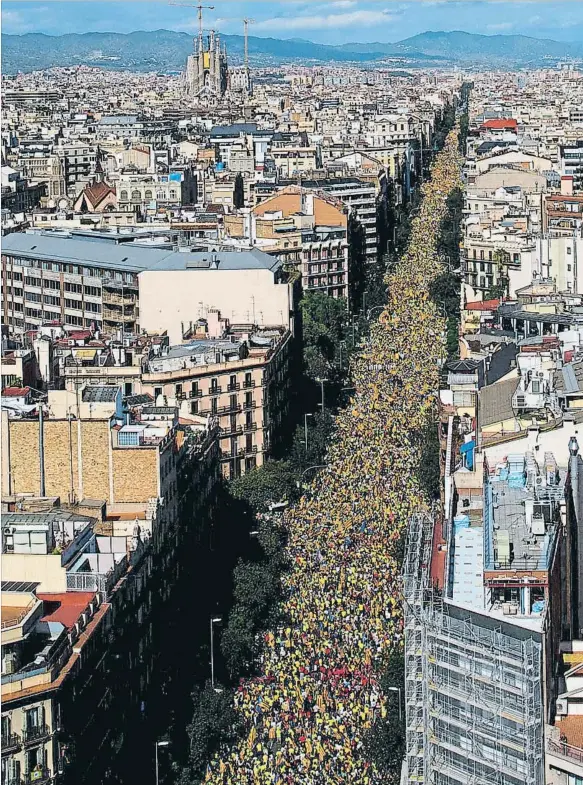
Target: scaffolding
(472, 686)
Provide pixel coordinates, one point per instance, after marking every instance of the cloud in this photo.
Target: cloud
(500, 26)
(14, 22)
(326, 21)
(343, 4)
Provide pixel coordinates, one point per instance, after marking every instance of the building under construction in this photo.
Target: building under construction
(482, 593)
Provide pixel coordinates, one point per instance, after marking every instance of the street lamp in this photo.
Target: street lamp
(162, 743)
(376, 308)
(397, 689)
(214, 620)
(322, 386)
(306, 430)
(341, 344)
(309, 469)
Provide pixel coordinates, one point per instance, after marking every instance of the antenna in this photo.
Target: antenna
(200, 8)
(246, 23)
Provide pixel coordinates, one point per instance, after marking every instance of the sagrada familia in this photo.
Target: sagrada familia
(207, 72)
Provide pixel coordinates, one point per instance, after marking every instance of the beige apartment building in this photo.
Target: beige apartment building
(237, 374)
(307, 231)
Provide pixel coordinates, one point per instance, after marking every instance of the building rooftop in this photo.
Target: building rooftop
(109, 253)
(96, 394)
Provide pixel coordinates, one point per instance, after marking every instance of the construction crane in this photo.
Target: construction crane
(246, 23)
(200, 9)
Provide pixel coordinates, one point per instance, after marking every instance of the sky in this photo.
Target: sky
(324, 21)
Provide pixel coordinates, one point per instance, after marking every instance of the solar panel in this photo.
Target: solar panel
(19, 586)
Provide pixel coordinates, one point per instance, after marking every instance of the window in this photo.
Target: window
(92, 291)
(178, 391)
(157, 392)
(481, 255)
(489, 256)
(128, 388)
(233, 401)
(194, 407)
(248, 399)
(123, 196)
(214, 405)
(233, 382)
(214, 385)
(32, 297)
(136, 197)
(148, 194)
(74, 304)
(249, 442)
(128, 438)
(248, 379)
(75, 288)
(569, 251)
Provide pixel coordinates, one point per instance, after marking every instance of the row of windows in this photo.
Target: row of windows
(59, 267)
(148, 195)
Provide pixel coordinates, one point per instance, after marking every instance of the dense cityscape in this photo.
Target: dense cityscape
(292, 380)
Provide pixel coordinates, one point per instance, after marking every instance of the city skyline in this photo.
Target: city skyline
(327, 22)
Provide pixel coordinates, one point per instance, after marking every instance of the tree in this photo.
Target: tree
(238, 641)
(239, 192)
(269, 484)
(385, 744)
(255, 586)
(385, 741)
(272, 539)
(320, 427)
(214, 722)
(323, 320)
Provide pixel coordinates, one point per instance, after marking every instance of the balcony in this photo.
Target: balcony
(35, 733)
(248, 384)
(10, 742)
(195, 394)
(38, 775)
(228, 409)
(233, 387)
(231, 430)
(247, 451)
(251, 426)
(215, 390)
(250, 405)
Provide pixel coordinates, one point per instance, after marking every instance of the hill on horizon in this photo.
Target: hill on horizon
(167, 50)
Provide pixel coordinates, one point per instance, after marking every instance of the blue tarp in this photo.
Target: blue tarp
(467, 449)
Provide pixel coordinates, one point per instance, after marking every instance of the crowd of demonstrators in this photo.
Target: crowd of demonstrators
(306, 715)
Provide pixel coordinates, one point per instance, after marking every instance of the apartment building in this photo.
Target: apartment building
(360, 197)
(238, 374)
(483, 613)
(307, 231)
(59, 642)
(143, 192)
(92, 280)
(86, 583)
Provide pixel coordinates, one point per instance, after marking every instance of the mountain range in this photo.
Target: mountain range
(166, 51)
